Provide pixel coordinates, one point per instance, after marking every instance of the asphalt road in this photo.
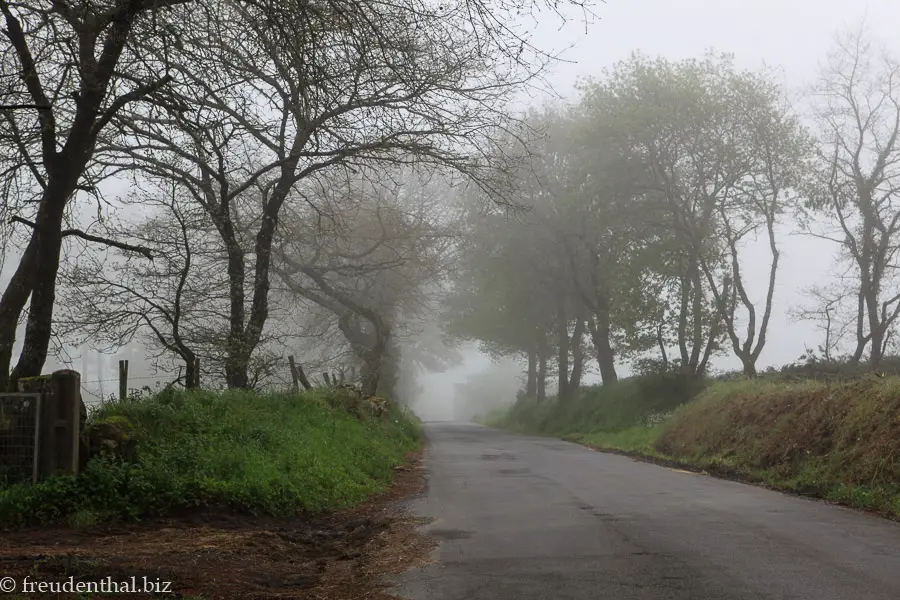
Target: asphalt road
(522, 518)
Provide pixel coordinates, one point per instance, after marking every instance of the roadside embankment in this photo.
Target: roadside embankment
(275, 454)
(836, 440)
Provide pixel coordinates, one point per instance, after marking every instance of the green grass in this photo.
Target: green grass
(638, 439)
(276, 454)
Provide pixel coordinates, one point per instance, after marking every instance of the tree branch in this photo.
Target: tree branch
(33, 83)
(121, 101)
(91, 238)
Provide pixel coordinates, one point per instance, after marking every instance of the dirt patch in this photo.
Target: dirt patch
(215, 555)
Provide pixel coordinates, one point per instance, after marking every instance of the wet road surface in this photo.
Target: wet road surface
(524, 518)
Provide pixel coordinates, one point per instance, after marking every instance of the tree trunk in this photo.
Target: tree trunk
(599, 328)
(370, 347)
(683, 310)
(11, 306)
(38, 329)
(697, 314)
(191, 376)
(237, 360)
(562, 358)
(531, 383)
(661, 342)
(577, 356)
(749, 366)
(876, 329)
(237, 369)
(543, 355)
(371, 372)
(390, 369)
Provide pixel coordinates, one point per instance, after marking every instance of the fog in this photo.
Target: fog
(791, 37)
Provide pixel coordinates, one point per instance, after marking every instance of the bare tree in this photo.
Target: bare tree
(270, 95)
(827, 311)
(758, 192)
(369, 264)
(79, 65)
(857, 106)
(73, 73)
(173, 302)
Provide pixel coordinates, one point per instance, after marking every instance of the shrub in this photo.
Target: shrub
(624, 404)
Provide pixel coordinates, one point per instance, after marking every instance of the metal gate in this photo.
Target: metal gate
(19, 416)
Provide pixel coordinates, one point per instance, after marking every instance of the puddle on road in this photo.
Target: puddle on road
(514, 471)
(498, 456)
(449, 534)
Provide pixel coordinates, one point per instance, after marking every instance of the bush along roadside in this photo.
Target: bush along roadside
(835, 440)
(277, 454)
(628, 403)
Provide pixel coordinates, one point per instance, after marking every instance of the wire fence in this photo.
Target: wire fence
(148, 377)
(94, 396)
(19, 415)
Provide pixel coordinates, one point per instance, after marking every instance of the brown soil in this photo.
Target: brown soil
(209, 555)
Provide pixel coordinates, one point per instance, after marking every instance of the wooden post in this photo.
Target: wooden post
(301, 376)
(197, 372)
(62, 415)
(123, 379)
(295, 380)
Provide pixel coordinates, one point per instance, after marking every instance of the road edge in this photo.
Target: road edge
(729, 474)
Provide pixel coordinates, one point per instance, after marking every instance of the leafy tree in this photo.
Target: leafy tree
(713, 153)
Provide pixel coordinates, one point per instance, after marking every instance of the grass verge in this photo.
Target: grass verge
(638, 439)
(276, 454)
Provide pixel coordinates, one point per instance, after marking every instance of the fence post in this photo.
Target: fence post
(123, 379)
(295, 383)
(197, 372)
(303, 379)
(62, 414)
